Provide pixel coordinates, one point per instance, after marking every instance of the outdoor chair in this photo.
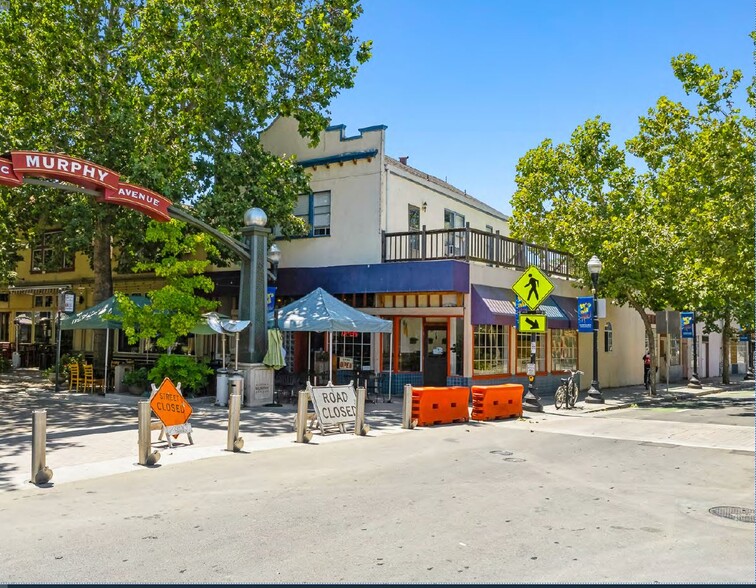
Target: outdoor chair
(74, 380)
(90, 383)
(374, 388)
(286, 385)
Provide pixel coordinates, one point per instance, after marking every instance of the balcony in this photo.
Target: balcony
(468, 244)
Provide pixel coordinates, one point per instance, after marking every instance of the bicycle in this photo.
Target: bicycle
(567, 393)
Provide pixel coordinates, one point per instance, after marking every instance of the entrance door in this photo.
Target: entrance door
(434, 370)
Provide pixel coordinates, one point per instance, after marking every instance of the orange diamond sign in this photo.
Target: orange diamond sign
(169, 405)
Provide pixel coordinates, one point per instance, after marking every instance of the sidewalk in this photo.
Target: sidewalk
(91, 436)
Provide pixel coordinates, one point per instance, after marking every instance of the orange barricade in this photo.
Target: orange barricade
(496, 402)
(436, 406)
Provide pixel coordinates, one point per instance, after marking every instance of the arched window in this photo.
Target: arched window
(608, 343)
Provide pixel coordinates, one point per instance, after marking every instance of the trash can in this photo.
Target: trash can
(221, 387)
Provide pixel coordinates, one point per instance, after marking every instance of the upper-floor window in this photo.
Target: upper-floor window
(49, 253)
(315, 210)
(454, 241)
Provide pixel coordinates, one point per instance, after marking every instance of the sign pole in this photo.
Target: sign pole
(531, 401)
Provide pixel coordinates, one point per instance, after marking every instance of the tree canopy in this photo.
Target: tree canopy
(680, 234)
(170, 94)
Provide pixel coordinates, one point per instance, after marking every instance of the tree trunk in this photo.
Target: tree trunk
(726, 335)
(651, 342)
(103, 282)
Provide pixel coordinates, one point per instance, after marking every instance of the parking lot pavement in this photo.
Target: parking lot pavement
(90, 436)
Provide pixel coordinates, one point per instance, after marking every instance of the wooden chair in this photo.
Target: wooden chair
(74, 379)
(90, 383)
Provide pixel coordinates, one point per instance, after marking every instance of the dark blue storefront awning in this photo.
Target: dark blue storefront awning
(495, 306)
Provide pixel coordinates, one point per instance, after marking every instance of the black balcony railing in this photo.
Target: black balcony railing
(473, 245)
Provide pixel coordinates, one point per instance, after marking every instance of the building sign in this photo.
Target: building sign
(86, 174)
(346, 363)
(169, 405)
(67, 302)
(533, 287)
(334, 405)
(585, 314)
(686, 325)
(270, 299)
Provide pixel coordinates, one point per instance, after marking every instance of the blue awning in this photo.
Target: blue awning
(495, 306)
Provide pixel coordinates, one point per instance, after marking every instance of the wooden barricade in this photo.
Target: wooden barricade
(496, 402)
(440, 405)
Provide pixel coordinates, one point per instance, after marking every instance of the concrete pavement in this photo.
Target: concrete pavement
(91, 436)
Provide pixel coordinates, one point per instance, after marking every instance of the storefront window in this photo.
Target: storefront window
(523, 352)
(674, 350)
(563, 350)
(490, 350)
(410, 339)
(355, 346)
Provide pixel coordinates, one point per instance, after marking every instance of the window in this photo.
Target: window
(354, 345)
(490, 350)
(563, 350)
(4, 326)
(523, 352)
(315, 210)
(410, 337)
(608, 339)
(455, 240)
(413, 224)
(49, 253)
(43, 327)
(674, 350)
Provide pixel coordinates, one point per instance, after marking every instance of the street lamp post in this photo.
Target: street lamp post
(594, 393)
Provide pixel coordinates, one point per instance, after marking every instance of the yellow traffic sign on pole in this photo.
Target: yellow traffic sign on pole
(533, 287)
(532, 323)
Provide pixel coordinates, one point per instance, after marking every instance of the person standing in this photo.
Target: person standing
(646, 370)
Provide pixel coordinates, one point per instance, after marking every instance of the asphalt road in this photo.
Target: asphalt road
(542, 499)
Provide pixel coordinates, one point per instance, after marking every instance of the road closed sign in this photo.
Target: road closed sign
(335, 405)
(169, 405)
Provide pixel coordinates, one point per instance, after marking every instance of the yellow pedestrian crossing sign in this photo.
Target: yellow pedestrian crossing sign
(532, 323)
(532, 287)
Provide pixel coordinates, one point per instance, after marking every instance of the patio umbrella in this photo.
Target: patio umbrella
(275, 356)
(94, 318)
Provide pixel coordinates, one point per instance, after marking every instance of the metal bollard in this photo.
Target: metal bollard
(303, 435)
(145, 433)
(234, 442)
(407, 408)
(40, 473)
(360, 428)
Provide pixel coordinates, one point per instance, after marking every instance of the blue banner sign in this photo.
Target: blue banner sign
(585, 314)
(517, 304)
(686, 325)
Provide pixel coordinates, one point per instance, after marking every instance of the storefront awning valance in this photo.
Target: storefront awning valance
(495, 306)
(48, 289)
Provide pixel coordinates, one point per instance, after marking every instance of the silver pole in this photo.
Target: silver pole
(360, 428)
(407, 408)
(330, 357)
(234, 442)
(303, 435)
(40, 473)
(391, 363)
(145, 443)
(105, 383)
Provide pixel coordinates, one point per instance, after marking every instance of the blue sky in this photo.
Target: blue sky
(467, 87)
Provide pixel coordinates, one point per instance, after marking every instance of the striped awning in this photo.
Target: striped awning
(495, 306)
(46, 289)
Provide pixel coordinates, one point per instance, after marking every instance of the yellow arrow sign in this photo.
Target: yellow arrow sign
(532, 323)
(533, 287)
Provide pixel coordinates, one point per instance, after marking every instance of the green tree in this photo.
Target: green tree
(700, 164)
(175, 308)
(583, 198)
(172, 95)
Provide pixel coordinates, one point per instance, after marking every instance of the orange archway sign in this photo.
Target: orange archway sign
(169, 405)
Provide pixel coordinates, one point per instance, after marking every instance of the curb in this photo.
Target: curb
(673, 397)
